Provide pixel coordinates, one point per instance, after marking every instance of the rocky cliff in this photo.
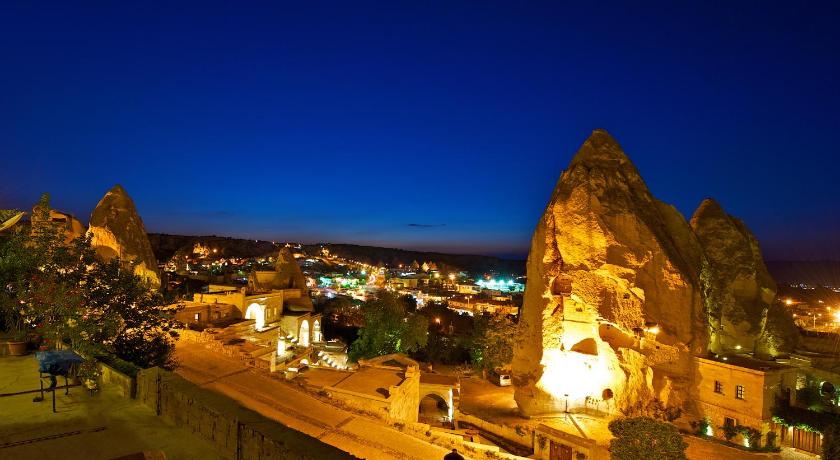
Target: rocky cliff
(606, 246)
(739, 289)
(117, 231)
(623, 292)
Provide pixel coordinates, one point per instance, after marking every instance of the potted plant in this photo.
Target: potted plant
(17, 340)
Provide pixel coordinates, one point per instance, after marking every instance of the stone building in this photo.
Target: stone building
(739, 391)
(277, 299)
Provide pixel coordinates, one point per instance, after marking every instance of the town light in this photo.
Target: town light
(788, 302)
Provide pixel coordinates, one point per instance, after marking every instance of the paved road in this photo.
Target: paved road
(290, 406)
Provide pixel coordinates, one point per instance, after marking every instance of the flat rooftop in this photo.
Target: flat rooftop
(371, 381)
(748, 362)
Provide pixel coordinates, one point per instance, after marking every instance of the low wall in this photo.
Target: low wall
(368, 403)
(450, 440)
(523, 438)
(111, 376)
(237, 432)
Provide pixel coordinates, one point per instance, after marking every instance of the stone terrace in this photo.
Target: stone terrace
(102, 426)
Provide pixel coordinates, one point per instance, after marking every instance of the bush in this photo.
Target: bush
(729, 431)
(752, 435)
(701, 427)
(770, 443)
(645, 438)
(120, 365)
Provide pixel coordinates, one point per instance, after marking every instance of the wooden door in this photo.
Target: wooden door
(559, 451)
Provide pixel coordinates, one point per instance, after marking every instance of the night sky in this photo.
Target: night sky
(423, 125)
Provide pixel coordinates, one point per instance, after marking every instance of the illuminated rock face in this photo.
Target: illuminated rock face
(117, 231)
(608, 262)
(739, 288)
(71, 227)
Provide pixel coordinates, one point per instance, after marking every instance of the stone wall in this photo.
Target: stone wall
(111, 376)
(453, 440)
(237, 432)
(547, 439)
(525, 437)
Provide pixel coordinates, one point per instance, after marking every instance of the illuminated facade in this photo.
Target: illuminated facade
(580, 369)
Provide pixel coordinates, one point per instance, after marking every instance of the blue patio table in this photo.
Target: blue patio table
(55, 363)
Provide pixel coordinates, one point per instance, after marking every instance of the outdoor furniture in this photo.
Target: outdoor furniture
(55, 363)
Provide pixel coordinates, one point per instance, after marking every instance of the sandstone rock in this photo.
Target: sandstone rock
(71, 227)
(607, 252)
(289, 275)
(286, 275)
(739, 289)
(117, 231)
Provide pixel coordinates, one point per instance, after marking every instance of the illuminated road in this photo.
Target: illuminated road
(290, 406)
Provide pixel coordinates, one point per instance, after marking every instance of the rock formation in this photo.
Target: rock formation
(739, 289)
(286, 275)
(606, 248)
(71, 227)
(289, 275)
(622, 292)
(117, 231)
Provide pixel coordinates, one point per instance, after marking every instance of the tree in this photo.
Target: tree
(831, 442)
(389, 328)
(643, 438)
(69, 297)
(492, 342)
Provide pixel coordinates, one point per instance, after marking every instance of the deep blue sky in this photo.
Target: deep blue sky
(349, 121)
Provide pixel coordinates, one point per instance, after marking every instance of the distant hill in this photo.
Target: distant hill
(165, 246)
(446, 262)
(819, 272)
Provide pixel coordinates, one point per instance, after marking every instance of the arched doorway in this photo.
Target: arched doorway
(256, 312)
(434, 410)
(303, 334)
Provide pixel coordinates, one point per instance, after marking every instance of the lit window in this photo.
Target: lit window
(718, 386)
(197, 316)
(739, 391)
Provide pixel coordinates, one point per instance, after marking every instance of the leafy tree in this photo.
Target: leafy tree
(409, 302)
(69, 297)
(492, 342)
(389, 328)
(643, 438)
(831, 442)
